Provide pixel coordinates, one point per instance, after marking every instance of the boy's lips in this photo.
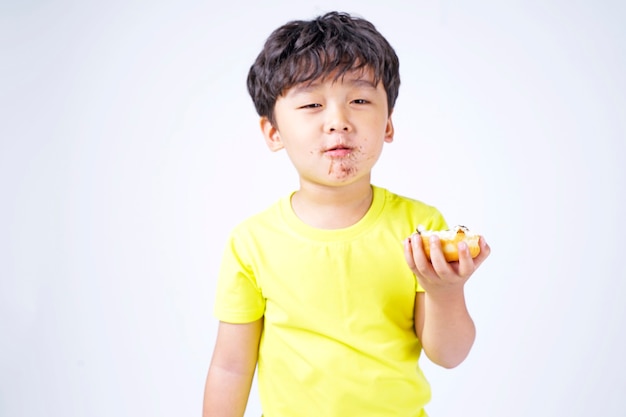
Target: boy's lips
(337, 151)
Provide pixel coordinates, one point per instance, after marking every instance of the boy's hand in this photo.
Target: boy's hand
(438, 276)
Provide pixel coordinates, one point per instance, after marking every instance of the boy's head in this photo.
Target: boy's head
(304, 51)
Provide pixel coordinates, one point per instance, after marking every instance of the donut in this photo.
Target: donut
(449, 240)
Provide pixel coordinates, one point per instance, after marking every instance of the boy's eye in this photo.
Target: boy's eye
(311, 106)
(359, 101)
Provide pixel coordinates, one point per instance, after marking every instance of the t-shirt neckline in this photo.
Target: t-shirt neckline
(310, 232)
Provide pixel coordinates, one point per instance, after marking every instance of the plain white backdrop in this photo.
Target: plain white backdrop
(129, 147)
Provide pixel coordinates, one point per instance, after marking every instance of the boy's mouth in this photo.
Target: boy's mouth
(338, 151)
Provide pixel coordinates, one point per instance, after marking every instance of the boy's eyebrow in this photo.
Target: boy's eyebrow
(355, 82)
(302, 88)
(363, 82)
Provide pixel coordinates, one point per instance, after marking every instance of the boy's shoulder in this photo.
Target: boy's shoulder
(413, 210)
(394, 199)
(266, 216)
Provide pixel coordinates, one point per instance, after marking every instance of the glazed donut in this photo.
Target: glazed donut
(449, 240)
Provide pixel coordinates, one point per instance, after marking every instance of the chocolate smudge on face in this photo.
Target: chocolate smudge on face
(344, 167)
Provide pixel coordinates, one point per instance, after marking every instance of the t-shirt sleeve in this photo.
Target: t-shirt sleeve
(238, 297)
(435, 221)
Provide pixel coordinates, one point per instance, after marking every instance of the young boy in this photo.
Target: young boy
(325, 290)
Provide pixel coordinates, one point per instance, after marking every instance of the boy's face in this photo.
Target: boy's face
(333, 130)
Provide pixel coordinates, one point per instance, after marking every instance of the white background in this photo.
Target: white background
(129, 147)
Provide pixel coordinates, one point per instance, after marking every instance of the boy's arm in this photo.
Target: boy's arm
(232, 369)
(442, 322)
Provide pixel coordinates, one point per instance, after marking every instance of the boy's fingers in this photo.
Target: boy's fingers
(466, 263)
(437, 258)
(422, 265)
(485, 250)
(408, 253)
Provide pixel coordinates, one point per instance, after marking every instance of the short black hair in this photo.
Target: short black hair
(303, 51)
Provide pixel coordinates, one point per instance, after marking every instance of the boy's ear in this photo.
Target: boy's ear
(271, 135)
(389, 131)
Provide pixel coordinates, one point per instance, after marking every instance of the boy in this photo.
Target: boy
(324, 290)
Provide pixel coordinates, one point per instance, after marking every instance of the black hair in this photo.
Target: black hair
(303, 51)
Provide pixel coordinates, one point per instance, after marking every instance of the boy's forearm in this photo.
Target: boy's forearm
(449, 332)
(232, 369)
(226, 393)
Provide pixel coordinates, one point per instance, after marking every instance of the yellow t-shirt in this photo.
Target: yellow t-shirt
(338, 337)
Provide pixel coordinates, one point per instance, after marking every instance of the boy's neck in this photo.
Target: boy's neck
(326, 207)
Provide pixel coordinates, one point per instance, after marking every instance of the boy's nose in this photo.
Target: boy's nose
(337, 120)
